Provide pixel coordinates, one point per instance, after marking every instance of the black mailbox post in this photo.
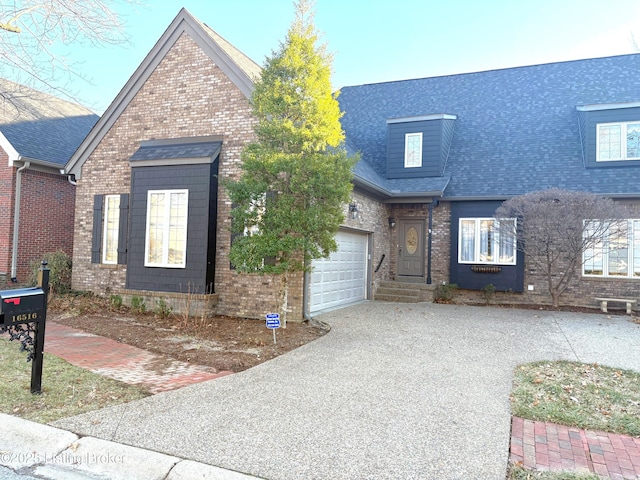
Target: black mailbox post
(28, 306)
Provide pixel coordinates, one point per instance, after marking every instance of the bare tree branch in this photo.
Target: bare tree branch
(556, 229)
(33, 32)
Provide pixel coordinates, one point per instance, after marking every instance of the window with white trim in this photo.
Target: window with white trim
(166, 233)
(413, 150)
(616, 253)
(618, 141)
(110, 229)
(480, 241)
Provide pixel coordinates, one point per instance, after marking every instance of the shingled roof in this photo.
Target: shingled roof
(39, 126)
(516, 129)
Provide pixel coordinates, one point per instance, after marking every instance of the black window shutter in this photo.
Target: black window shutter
(123, 229)
(96, 239)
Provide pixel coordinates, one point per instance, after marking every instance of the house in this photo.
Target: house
(38, 135)
(445, 152)
(438, 155)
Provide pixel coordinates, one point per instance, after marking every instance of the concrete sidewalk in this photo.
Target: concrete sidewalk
(29, 448)
(393, 391)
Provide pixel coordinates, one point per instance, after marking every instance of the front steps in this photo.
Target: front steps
(404, 292)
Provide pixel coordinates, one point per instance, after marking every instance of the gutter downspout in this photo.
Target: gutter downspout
(434, 203)
(16, 221)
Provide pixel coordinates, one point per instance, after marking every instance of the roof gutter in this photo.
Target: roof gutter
(16, 221)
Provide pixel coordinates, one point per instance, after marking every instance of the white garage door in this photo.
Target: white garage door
(342, 278)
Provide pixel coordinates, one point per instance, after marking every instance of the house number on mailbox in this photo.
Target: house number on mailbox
(24, 317)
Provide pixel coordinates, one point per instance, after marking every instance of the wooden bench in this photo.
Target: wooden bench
(604, 301)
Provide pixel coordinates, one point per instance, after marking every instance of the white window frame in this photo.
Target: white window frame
(623, 141)
(496, 242)
(110, 235)
(633, 250)
(166, 226)
(408, 162)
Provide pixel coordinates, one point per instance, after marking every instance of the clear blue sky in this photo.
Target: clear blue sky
(375, 40)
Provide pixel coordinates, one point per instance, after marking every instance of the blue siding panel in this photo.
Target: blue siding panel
(510, 277)
(592, 119)
(197, 179)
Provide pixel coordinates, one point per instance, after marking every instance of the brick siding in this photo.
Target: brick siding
(581, 291)
(46, 218)
(7, 192)
(186, 96)
(372, 219)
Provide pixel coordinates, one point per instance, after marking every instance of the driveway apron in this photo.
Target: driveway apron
(393, 391)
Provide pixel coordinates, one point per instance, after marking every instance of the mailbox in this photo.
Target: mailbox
(22, 305)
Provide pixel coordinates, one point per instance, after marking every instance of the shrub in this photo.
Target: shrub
(138, 305)
(488, 291)
(163, 310)
(59, 264)
(444, 292)
(116, 302)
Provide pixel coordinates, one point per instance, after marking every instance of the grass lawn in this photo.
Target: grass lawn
(66, 389)
(587, 396)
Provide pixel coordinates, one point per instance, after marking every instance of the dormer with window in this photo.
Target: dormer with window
(418, 146)
(610, 134)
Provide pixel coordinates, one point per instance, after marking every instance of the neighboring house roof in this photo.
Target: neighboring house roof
(39, 127)
(516, 129)
(239, 68)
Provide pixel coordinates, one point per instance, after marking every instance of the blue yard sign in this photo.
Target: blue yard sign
(273, 322)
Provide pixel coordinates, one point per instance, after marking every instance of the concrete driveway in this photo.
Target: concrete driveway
(393, 391)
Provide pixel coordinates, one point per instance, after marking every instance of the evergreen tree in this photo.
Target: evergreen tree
(296, 177)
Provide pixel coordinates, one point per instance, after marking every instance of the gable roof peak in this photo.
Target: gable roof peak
(239, 68)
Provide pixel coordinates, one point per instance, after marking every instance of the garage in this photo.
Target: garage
(341, 279)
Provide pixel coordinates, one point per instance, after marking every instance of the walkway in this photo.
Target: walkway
(123, 362)
(548, 446)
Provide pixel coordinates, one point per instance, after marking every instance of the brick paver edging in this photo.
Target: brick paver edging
(549, 446)
(123, 362)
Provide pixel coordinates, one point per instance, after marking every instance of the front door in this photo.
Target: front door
(411, 248)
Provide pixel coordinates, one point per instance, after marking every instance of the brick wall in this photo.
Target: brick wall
(373, 219)
(441, 233)
(581, 291)
(46, 218)
(7, 192)
(187, 95)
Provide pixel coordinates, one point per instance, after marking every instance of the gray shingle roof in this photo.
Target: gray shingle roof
(176, 151)
(516, 131)
(40, 126)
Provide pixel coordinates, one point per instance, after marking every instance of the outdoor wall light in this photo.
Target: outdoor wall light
(353, 210)
(392, 222)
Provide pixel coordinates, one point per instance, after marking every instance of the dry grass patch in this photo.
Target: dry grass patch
(66, 389)
(588, 396)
